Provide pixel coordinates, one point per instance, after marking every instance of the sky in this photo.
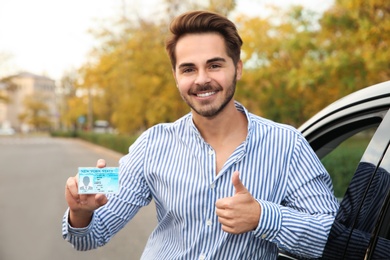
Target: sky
(51, 37)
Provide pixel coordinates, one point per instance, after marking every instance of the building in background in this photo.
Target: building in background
(29, 103)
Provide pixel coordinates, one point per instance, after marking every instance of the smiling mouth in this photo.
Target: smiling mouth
(207, 94)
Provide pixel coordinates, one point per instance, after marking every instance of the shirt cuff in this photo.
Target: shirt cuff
(270, 220)
(67, 229)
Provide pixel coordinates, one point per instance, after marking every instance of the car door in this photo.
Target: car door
(361, 227)
(351, 137)
(379, 246)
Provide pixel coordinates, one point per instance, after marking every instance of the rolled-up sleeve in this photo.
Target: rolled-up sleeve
(301, 223)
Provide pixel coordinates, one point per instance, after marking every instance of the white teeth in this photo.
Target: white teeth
(205, 94)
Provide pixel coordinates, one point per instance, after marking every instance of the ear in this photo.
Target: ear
(239, 69)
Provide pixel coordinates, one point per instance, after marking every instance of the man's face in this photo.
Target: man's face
(205, 75)
(86, 181)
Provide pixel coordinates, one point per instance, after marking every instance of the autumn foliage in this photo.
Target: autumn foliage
(296, 62)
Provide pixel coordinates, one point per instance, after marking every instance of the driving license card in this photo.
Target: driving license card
(98, 180)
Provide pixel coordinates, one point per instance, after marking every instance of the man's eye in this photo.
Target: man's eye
(187, 70)
(215, 66)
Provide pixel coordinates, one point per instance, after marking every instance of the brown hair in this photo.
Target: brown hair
(204, 22)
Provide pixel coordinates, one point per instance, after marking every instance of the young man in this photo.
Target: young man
(227, 184)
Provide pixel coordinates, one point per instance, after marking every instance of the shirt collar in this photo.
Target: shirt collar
(239, 107)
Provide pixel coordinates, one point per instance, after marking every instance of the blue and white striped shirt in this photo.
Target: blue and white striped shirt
(173, 165)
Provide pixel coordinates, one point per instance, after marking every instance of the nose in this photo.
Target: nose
(202, 77)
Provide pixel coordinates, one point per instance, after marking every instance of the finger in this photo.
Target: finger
(230, 226)
(101, 163)
(220, 204)
(219, 213)
(100, 199)
(239, 187)
(71, 188)
(226, 224)
(224, 203)
(224, 214)
(84, 198)
(231, 229)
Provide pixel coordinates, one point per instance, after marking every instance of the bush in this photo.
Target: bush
(63, 134)
(118, 143)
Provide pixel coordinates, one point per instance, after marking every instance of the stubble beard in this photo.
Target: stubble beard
(207, 109)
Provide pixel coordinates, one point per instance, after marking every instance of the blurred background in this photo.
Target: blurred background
(102, 64)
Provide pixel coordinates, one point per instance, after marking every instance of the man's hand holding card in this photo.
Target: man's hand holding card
(92, 196)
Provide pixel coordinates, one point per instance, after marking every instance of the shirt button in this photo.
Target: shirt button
(202, 257)
(209, 222)
(211, 152)
(263, 236)
(212, 185)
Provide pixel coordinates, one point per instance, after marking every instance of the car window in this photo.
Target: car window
(360, 228)
(341, 163)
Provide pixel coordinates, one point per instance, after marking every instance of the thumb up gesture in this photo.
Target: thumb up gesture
(240, 213)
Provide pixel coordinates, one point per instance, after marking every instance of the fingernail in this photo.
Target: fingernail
(100, 160)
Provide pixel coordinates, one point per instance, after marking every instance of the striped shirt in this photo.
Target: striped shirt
(173, 165)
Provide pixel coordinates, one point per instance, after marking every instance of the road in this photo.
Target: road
(33, 172)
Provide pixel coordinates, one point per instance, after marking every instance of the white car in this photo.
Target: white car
(7, 131)
(361, 229)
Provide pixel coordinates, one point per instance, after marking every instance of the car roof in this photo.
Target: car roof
(359, 110)
(376, 96)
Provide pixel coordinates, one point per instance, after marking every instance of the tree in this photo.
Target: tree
(133, 84)
(223, 7)
(69, 105)
(278, 54)
(36, 113)
(296, 62)
(6, 85)
(360, 33)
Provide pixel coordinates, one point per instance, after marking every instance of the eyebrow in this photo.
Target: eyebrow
(216, 59)
(189, 64)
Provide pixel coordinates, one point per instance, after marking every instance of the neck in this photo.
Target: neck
(227, 124)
